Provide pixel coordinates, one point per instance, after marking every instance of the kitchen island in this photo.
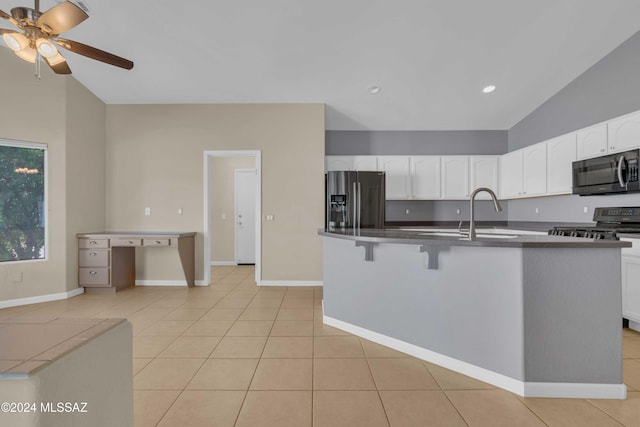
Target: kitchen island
(537, 315)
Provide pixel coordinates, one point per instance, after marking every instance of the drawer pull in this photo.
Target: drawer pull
(129, 242)
(92, 272)
(93, 242)
(157, 242)
(92, 254)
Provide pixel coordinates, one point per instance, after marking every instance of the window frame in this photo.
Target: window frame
(45, 208)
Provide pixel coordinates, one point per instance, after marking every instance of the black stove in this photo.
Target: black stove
(610, 222)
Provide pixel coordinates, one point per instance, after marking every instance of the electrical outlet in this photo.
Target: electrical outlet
(457, 211)
(147, 211)
(269, 217)
(585, 209)
(406, 211)
(537, 210)
(179, 211)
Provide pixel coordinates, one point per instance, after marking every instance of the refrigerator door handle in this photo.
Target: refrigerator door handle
(355, 205)
(359, 202)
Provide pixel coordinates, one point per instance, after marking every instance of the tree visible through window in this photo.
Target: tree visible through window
(22, 201)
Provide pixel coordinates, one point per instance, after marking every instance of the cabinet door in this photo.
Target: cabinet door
(534, 164)
(425, 177)
(396, 169)
(511, 175)
(624, 133)
(592, 141)
(561, 153)
(631, 288)
(365, 163)
(483, 172)
(338, 163)
(455, 177)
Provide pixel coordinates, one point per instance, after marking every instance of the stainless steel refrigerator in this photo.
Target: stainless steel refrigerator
(354, 200)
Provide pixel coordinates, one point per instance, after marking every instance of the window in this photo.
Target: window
(22, 201)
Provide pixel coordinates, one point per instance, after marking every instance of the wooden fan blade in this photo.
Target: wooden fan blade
(5, 15)
(61, 18)
(60, 67)
(93, 53)
(3, 31)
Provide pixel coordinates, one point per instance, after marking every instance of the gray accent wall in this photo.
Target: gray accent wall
(608, 89)
(382, 143)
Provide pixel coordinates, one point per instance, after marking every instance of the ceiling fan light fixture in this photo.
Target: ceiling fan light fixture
(15, 41)
(46, 48)
(28, 54)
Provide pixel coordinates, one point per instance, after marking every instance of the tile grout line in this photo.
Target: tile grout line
(375, 383)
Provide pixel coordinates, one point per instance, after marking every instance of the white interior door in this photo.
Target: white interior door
(245, 215)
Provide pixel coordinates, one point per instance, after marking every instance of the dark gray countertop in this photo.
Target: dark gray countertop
(418, 237)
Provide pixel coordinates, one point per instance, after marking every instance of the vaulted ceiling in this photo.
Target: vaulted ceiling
(431, 58)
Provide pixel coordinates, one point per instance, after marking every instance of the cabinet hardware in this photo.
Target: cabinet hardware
(93, 272)
(92, 242)
(92, 254)
(157, 242)
(129, 242)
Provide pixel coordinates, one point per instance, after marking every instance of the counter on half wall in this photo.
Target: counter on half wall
(537, 315)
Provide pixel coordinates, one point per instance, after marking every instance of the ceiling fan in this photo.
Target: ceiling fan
(40, 35)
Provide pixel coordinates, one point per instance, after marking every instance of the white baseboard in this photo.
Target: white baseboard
(525, 389)
(219, 263)
(41, 298)
(289, 283)
(168, 283)
(634, 325)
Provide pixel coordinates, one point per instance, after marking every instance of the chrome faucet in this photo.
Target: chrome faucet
(472, 224)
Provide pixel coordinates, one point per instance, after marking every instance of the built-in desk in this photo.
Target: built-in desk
(106, 260)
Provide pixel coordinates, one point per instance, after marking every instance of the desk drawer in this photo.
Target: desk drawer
(156, 242)
(93, 243)
(94, 276)
(126, 242)
(93, 258)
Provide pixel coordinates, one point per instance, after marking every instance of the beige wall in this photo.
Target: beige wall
(59, 112)
(222, 201)
(155, 159)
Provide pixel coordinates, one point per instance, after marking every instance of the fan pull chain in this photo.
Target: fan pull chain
(38, 60)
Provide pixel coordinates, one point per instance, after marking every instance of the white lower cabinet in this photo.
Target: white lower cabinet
(631, 283)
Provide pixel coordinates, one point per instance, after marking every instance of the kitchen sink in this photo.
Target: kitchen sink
(456, 234)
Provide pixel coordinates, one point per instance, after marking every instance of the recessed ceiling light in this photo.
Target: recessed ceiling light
(489, 89)
(374, 90)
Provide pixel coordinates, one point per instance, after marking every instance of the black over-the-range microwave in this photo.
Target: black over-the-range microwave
(611, 174)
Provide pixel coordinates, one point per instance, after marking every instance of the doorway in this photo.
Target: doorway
(210, 233)
(245, 216)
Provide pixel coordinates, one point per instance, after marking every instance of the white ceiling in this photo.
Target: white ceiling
(431, 57)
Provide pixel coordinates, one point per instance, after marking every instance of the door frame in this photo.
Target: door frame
(257, 155)
(235, 207)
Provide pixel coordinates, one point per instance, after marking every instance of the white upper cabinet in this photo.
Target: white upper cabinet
(351, 163)
(624, 133)
(561, 153)
(338, 163)
(511, 175)
(592, 141)
(534, 161)
(455, 177)
(425, 177)
(396, 170)
(483, 172)
(365, 163)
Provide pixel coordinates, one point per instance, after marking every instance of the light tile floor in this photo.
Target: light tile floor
(234, 354)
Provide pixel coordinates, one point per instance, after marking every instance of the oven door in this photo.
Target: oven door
(602, 175)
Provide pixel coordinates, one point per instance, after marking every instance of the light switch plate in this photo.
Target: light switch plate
(147, 211)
